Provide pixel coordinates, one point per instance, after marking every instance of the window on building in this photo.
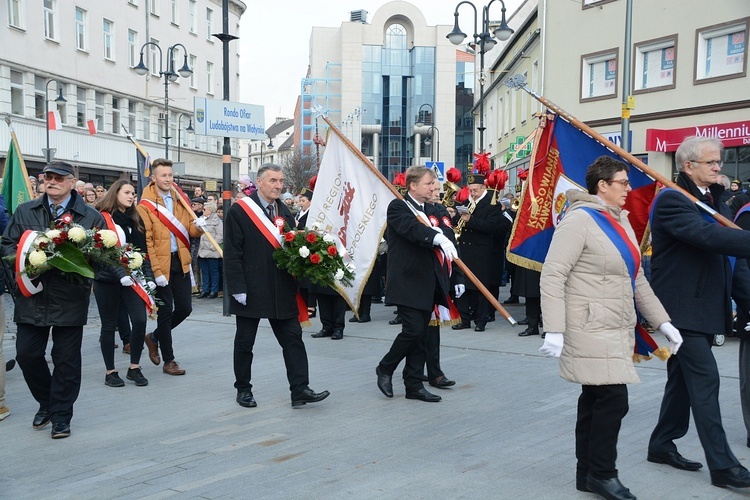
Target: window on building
(132, 112)
(155, 65)
(192, 13)
(133, 53)
(500, 116)
(108, 31)
(153, 7)
(721, 51)
(17, 13)
(115, 115)
(599, 75)
(16, 92)
(172, 131)
(39, 96)
(174, 13)
(192, 61)
(655, 63)
(209, 23)
(147, 123)
(506, 113)
(99, 110)
(209, 78)
(81, 107)
(81, 28)
(50, 19)
(594, 3)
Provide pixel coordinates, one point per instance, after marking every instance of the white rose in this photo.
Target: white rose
(339, 275)
(52, 233)
(136, 260)
(328, 238)
(304, 252)
(109, 238)
(76, 234)
(37, 258)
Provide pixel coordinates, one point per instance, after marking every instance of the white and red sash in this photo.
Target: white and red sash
(269, 230)
(169, 220)
(114, 227)
(23, 281)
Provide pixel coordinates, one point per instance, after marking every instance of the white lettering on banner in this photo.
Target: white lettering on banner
(743, 131)
(661, 145)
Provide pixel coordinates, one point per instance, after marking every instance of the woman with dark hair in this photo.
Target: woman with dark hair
(591, 283)
(113, 284)
(89, 196)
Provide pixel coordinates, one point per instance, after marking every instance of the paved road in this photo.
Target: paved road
(504, 431)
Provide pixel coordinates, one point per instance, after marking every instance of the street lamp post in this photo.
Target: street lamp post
(189, 129)
(49, 154)
(263, 146)
(421, 123)
(428, 142)
(486, 42)
(169, 76)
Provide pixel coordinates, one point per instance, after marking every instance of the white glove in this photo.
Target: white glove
(200, 223)
(150, 285)
(672, 334)
(241, 298)
(436, 229)
(459, 290)
(553, 344)
(161, 280)
(127, 281)
(443, 242)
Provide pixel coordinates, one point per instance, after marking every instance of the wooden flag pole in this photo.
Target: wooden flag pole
(467, 272)
(519, 82)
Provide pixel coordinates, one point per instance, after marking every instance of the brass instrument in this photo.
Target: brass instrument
(516, 204)
(449, 190)
(461, 223)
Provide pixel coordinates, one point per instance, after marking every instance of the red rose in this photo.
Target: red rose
(43, 245)
(332, 251)
(289, 237)
(98, 245)
(124, 261)
(97, 237)
(311, 238)
(315, 258)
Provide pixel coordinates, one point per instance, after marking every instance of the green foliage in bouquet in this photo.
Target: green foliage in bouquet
(312, 255)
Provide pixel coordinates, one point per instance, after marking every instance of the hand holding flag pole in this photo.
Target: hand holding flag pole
(519, 82)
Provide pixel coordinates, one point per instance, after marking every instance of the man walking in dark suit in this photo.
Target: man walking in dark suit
(692, 277)
(418, 279)
(259, 289)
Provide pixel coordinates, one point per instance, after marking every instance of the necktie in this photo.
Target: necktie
(271, 211)
(710, 197)
(53, 208)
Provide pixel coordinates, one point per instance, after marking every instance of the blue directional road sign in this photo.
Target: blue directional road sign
(438, 167)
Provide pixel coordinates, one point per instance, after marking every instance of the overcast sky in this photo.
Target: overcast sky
(275, 36)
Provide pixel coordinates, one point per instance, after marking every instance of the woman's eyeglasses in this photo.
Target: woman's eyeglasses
(623, 182)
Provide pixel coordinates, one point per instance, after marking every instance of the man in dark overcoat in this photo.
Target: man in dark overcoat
(259, 289)
(692, 277)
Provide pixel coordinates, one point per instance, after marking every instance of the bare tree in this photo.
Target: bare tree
(298, 170)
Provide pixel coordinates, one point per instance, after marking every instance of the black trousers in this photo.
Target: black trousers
(123, 323)
(534, 311)
(109, 296)
(432, 352)
(289, 336)
(601, 409)
(332, 310)
(365, 305)
(473, 305)
(409, 345)
(693, 383)
(175, 307)
(56, 391)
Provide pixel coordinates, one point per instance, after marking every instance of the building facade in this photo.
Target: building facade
(86, 51)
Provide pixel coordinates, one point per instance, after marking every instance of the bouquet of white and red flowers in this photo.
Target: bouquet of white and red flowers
(315, 256)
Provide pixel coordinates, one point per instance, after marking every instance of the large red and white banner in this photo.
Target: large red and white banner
(350, 203)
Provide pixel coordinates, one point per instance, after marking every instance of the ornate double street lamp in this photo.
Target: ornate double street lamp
(264, 147)
(428, 142)
(421, 123)
(485, 42)
(189, 130)
(49, 154)
(169, 75)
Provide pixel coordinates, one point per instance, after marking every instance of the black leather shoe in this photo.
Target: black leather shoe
(353, 319)
(213, 295)
(308, 396)
(41, 419)
(460, 326)
(736, 477)
(612, 489)
(528, 332)
(60, 430)
(202, 295)
(524, 321)
(442, 382)
(581, 478)
(365, 319)
(385, 382)
(511, 300)
(337, 334)
(423, 395)
(10, 365)
(395, 321)
(674, 459)
(479, 328)
(321, 334)
(246, 399)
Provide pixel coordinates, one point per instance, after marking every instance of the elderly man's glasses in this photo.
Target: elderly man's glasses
(710, 163)
(624, 182)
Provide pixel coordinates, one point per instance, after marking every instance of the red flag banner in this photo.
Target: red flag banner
(54, 121)
(92, 127)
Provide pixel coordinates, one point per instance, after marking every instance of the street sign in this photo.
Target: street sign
(438, 167)
(229, 119)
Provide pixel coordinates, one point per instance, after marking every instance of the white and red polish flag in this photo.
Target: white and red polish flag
(54, 120)
(92, 127)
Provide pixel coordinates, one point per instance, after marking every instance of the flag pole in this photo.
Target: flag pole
(519, 82)
(14, 139)
(180, 199)
(467, 272)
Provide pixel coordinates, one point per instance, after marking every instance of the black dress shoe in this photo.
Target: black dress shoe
(442, 382)
(423, 395)
(395, 321)
(365, 319)
(528, 332)
(337, 334)
(308, 396)
(353, 319)
(41, 419)
(321, 334)
(479, 328)
(736, 477)
(246, 399)
(10, 365)
(213, 295)
(460, 326)
(611, 489)
(511, 300)
(524, 321)
(202, 295)
(674, 459)
(385, 382)
(60, 430)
